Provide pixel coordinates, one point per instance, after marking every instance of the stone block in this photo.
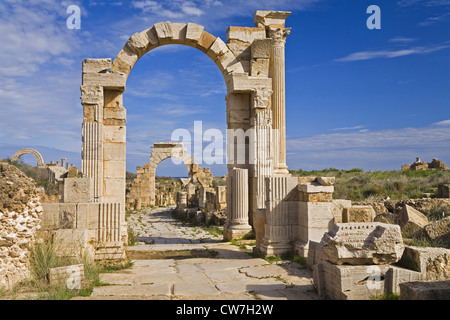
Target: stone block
(358, 214)
(78, 190)
(439, 230)
(261, 49)
(315, 188)
(67, 216)
(179, 32)
(193, 33)
(438, 290)
(314, 219)
(114, 169)
(217, 49)
(338, 206)
(326, 181)
(114, 152)
(205, 41)
(151, 36)
(138, 43)
(259, 221)
(363, 243)
(315, 197)
(110, 80)
(50, 216)
(71, 276)
(411, 220)
(114, 134)
(124, 61)
(73, 172)
(92, 94)
(306, 179)
(432, 263)
(163, 31)
(243, 83)
(259, 67)
(274, 19)
(396, 276)
(245, 34)
(315, 254)
(344, 282)
(96, 65)
(242, 50)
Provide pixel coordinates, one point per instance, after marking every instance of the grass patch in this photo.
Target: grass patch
(48, 254)
(387, 296)
(359, 185)
(214, 230)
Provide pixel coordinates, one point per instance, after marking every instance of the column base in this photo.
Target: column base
(275, 249)
(232, 232)
(282, 170)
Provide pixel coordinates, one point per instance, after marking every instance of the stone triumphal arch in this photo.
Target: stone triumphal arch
(21, 152)
(252, 63)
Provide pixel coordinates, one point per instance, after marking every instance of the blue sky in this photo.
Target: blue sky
(373, 99)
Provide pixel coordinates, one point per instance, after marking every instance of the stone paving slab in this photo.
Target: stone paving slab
(134, 290)
(184, 266)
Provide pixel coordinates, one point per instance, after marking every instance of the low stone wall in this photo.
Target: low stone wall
(20, 211)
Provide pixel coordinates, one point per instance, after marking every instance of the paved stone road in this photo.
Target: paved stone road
(193, 264)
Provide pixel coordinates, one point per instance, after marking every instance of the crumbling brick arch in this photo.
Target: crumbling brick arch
(40, 159)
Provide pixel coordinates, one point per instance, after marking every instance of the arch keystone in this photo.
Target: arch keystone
(164, 32)
(179, 32)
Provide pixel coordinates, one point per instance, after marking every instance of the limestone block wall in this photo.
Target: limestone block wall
(20, 211)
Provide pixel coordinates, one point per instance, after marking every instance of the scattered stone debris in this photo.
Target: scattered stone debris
(436, 164)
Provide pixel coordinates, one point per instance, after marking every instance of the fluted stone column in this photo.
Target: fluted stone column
(277, 73)
(237, 225)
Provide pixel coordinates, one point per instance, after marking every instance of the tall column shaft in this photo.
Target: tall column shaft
(240, 196)
(277, 73)
(237, 225)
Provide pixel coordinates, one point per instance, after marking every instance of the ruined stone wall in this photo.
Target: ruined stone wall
(20, 211)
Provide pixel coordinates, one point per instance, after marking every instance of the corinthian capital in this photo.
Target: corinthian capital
(279, 35)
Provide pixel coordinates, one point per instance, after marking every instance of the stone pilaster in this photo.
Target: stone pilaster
(277, 233)
(92, 137)
(261, 165)
(237, 225)
(277, 73)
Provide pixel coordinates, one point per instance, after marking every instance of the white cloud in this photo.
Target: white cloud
(31, 35)
(369, 55)
(371, 150)
(348, 128)
(402, 40)
(442, 123)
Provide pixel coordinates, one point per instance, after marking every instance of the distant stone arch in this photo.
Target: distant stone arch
(162, 151)
(40, 159)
